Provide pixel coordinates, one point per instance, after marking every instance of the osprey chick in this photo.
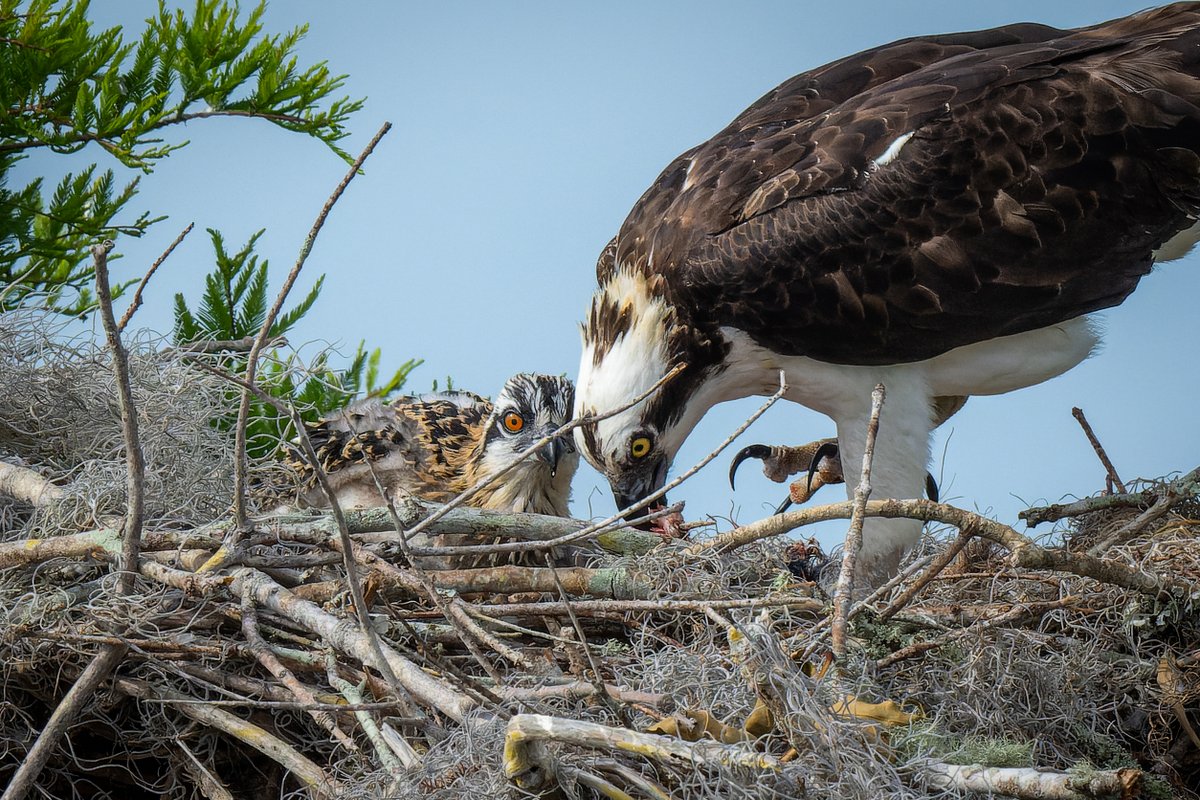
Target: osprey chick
(940, 214)
(436, 446)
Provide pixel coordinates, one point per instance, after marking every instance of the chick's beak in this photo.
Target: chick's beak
(552, 454)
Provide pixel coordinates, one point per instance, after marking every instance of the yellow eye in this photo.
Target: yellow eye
(640, 447)
(513, 422)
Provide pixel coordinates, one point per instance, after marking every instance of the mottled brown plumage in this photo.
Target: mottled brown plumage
(437, 446)
(1045, 165)
(938, 214)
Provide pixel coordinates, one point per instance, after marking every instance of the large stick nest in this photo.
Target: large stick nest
(1063, 667)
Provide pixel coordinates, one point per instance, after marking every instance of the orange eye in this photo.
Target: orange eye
(513, 422)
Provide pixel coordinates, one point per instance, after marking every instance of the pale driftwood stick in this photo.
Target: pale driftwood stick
(580, 689)
(26, 486)
(1187, 485)
(136, 303)
(257, 646)
(365, 720)
(63, 717)
(525, 730)
(844, 590)
(295, 705)
(135, 465)
(107, 540)
(240, 464)
(1022, 551)
(593, 607)
(1134, 527)
(209, 784)
(1033, 784)
(1099, 448)
(26, 552)
(345, 637)
(616, 583)
(261, 740)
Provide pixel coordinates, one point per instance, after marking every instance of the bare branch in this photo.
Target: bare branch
(241, 466)
(136, 303)
(1103, 456)
(843, 591)
(134, 461)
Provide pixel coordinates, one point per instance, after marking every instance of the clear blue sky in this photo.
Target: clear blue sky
(523, 134)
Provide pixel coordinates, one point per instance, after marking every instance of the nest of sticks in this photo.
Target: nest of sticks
(309, 656)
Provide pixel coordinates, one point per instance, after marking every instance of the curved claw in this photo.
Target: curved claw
(931, 487)
(785, 505)
(826, 450)
(752, 451)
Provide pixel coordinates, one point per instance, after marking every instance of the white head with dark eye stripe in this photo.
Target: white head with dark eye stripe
(528, 408)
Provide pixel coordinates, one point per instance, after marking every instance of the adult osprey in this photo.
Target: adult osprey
(939, 214)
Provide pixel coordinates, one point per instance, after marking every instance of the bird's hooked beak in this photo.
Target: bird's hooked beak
(552, 454)
(633, 486)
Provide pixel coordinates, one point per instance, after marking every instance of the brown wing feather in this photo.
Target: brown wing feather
(418, 444)
(1044, 167)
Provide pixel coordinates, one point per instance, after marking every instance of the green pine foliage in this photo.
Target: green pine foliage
(65, 86)
(234, 306)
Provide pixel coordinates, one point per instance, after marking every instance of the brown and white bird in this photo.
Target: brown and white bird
(436, 446)
(940, 214)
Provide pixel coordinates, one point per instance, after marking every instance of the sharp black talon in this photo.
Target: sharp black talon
(827, 450)
(753, 451)
(785, 505)
(931, 487)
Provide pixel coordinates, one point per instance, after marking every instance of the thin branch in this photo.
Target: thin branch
(597, 676)
(365, 720)
(940, 563)
(134, 462)
(241, 464)
(104, 663)
(136, 303)
(268, 659)
(1018, 611)
(1103, 456)
(242, 345)
(843, 591)
(347, 638)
